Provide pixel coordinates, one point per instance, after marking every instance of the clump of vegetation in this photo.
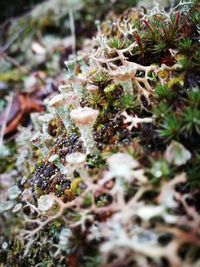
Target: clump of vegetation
(109, 173)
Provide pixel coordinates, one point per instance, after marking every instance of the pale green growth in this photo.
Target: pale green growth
(64, 241)
(61, 103)
(35, 121)
(4, 151)
(160, 168)
(78, 87)
(77, 161)
(177, 154)
(6, 205)
(127, 87)
(76, 158)
(38, 140)
(84, 119)
(45, 120)
(70, 64)
(26, 194)
(64, 237)
(45, 202)
(25, 134)
(48, 107)
(83, 66)
(13, 192)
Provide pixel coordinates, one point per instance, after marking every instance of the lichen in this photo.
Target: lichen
(115, 182)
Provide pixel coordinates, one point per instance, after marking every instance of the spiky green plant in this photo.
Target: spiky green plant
(191, 120)
(171, 127)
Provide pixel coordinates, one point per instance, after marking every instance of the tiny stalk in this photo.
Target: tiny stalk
(84, 119)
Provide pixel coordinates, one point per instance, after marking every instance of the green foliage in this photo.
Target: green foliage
(164, 92)
(185, 44)
(171, 113)
(100, 79)
(171, 128)
(96, 101)
(110, 88)
(161, 110)
(87, 201)
(115, 43)
(94, 261)
(184, 122)
(185, 63)
(163, 31)
(193, 173)
(128, 102)
(194, 97)
(160, 168)
(191, 120)
(160, 47)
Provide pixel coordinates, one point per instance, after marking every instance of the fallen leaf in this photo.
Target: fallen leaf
(73, 261)
(21, 106)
